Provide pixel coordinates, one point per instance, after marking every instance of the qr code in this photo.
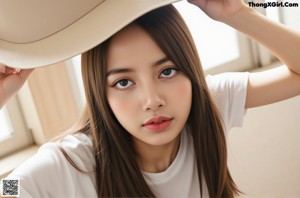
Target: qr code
(10, 187)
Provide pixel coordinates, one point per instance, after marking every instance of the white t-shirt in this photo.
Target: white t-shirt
(49, 174)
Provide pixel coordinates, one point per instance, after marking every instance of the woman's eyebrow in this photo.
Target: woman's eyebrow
(118, 71)
(127, 70)
(161, 61)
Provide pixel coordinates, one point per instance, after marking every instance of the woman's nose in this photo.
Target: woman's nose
(153, 99)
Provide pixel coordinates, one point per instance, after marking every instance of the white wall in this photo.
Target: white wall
(264, 155)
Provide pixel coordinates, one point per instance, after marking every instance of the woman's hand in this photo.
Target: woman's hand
(11, 80)
(219, 9)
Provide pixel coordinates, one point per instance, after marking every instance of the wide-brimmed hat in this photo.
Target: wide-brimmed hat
(35, 33)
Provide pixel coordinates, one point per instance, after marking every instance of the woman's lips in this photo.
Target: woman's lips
(158, 124)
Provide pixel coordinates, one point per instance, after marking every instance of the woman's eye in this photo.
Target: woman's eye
(123, 84)
(167, 73)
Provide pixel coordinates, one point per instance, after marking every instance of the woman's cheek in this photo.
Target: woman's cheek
(182, 91)
(121, 103)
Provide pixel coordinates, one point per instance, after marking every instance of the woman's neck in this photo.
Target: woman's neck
(155, 159)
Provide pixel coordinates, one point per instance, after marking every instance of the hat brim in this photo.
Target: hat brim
(84, 34)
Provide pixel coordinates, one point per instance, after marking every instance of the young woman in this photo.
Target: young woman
(154, 126)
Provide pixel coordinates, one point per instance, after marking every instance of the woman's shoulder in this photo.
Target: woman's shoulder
(52, 155)
(49, 167)
(227, 81)
(229, 91)
(78, 146)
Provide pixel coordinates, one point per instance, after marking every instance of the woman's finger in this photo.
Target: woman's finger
(8, 70)
(24, 73)
(2, 68)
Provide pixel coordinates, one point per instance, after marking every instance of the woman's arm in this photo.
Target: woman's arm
(272, 85)
(11, 80)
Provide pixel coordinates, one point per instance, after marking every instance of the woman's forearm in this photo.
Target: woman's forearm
(282, 41)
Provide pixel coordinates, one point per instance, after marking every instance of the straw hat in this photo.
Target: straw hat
(35, 33)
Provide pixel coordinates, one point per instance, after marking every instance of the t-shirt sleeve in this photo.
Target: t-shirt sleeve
(49, 174)
(41, 173)
(229, 91)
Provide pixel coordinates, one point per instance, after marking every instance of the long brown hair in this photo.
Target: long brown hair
(117, 170)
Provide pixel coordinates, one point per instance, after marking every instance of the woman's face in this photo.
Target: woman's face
(148, 95)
